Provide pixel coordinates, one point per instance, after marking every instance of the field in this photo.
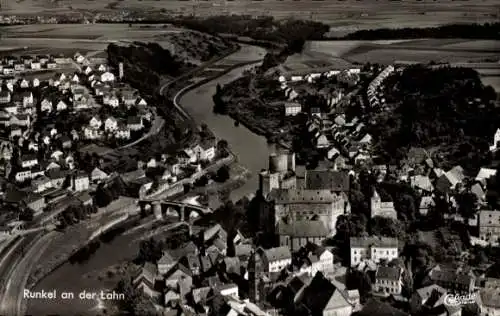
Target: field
(424, 50)
(345, 16)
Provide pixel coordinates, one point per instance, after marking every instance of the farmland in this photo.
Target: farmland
(345, 16)
(424, 50)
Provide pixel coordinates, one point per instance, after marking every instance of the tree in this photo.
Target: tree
(386, 227)
(359, 280)
(467, 205)
(26, 214)
(150, 250)
(223, 174)
(134, 303)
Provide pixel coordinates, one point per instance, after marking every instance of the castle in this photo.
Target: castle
(306, 203)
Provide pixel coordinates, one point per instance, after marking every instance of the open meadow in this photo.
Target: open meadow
(423, 50)
(345, 16)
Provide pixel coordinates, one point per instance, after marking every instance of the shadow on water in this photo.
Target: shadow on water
(84, 254)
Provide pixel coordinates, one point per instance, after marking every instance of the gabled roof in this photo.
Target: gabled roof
(388, 273)
(277, 253)
(303, 228)
(374, 307)
(425, 292)
(326, 179)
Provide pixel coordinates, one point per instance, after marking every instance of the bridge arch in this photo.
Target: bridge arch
(185, 212)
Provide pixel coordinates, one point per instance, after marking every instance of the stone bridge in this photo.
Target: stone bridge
(184, 212)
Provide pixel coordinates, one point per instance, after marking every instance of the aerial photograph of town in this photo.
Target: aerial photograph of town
(250, 157)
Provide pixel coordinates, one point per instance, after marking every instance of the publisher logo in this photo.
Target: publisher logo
(457, 300)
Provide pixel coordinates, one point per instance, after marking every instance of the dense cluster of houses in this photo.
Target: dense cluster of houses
(13, 65)
(375, 97)
(41, 164)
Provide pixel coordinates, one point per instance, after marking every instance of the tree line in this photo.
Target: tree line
(470, 31)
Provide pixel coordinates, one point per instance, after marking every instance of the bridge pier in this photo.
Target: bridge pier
(157, 210)
(182, 213)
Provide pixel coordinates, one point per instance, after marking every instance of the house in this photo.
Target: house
(205, 150)
(80, 182)
(141, 102)
(84, 198)
(28, 161)
(292, 108)
(122, 133)
(111, 100)
(321, 297)
(230, 289)
(79, 58)
(36, 65)
(98, 175)
(15, 132)
(134, 123)
(27, 99)
(34, 201)
(366, 140)
(51, 65)
(19, 67)
(298, 233)
(388, 280)
(178, 274)
(95, 122)
(57, 177)
(484, 174)
(275, 259)
(92, 133)
(379, 208)
(373, 248)
(128, 97)
(53, 165)
(420, 297)
(75, 78)
(24, 84)
(66, 142)
(491, 302)
(107, 77)
(454, 281)
(111, 124)
(46, 105)
(57, 154)
(87, 70)
(102, 68)
(148, 281)
(422, 184)
(165, 263)
(78, 93)
(316, 259)
(426, 203)
(322, 141)
(22, 175)
(375, 307)
(4, 97)
(61, 106)
(41, 184)
(489, 226)
(20, 120)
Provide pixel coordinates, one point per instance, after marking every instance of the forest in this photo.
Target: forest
(471, 31)
(445, 109)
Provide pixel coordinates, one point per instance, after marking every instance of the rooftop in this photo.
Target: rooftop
(366, 242)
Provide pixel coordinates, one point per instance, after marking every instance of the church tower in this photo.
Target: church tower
(375, 204)
(254, 273)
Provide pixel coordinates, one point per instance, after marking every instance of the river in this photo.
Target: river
(72, 278)
(252, 151)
